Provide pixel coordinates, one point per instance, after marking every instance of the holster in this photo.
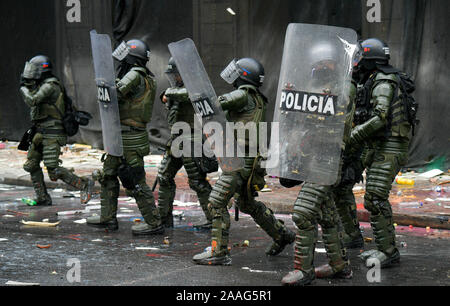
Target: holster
(27, 139)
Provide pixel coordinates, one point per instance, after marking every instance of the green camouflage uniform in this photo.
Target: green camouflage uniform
(180, 110)
(246, 104)
(315, 205)
(387, 136)
(136, 94)
(46, 102)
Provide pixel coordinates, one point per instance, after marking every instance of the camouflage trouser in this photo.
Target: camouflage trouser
(315, 205)
(345, 199)
(197, 181)
(47, 147)
(110, 188)
(236, 184)
(383, 162)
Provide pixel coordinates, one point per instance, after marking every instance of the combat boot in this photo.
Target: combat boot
(145, 229)
(203, 225)
(303, 273)
(40, 189)
(96, 221)
(209, 258)
(386, 253)
(355, 241)
(278, 246)
(167, 221)
(338, 264)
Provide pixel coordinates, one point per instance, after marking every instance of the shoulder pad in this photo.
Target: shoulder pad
(248, 87)
(139, 69)
(51, 80)
(387, 77)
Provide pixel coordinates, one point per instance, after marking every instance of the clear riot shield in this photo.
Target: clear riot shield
(106, 93)
(312, 103)
(206, 105)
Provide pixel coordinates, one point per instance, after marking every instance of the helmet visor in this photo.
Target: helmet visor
(31, 71)
(231, 73)
(121, 52)
(174, 79)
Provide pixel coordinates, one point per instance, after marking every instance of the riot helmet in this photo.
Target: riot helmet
(37, 68)
(375, 49)
(244, 71)
(172, 74)
(324, 59)
(132, 52)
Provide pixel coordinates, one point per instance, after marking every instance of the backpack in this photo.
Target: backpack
(410, 104)
(72, 118)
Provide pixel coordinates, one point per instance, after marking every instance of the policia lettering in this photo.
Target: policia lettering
(44, 94)
(386, 133)
(308, 102)
(246, 104)
(180, 109)
(136, 94)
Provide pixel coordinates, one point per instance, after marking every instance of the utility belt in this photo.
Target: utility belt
(51, 131)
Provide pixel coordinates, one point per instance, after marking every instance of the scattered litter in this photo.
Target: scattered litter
(246, 243)
(411, 227)
(58, 190)
(429, 200)
(8, 216)
(178, 213)
(81, 221)
(447, 207)
(266, 190)
(257, 271)
(137, 220)
(147, 248)
(443, 199)
(40, 224)
(3, 239)
(403, 244)
(126, 210)
(154, 255)
(184, 204)
(368, 239)
(71, 212)
(44, 246)
(357, 188)
(54, 273)
(97, 240)
(395, 224)
(28, 202)
(403, 181)
(438, 189)
(17, 212)
(399, 193)
(166, 240)
(321, 250)
(428, 228)
(409, 203)
(125, 199)
(14, 283)
(431, 173)
(45, 220)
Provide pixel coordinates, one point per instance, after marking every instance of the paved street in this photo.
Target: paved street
(118, 258)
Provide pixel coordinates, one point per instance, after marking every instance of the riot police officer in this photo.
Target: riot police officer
(386, 132)
(180, 109)
(245, 104)
(136, 93)
(44, 94)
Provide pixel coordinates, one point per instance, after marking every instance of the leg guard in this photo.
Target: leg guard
(198, 183)
(336, 253)
(146, 203)
(221, 194)
(68, 177)
(167, 188)
(42, 196)
(110, 189)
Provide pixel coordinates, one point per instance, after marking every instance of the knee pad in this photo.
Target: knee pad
(302, 221)
(31, 166)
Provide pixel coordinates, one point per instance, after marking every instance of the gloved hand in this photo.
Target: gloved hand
(288, 183)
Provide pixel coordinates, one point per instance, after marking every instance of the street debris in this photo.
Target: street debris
(81, 221)
(147, 248)
(257, 271)
(3, 239)
(431, 173)
(46, 246)
(320, 250)
(40, 224)
(368, 239)
(14, 283)
(166, 240)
